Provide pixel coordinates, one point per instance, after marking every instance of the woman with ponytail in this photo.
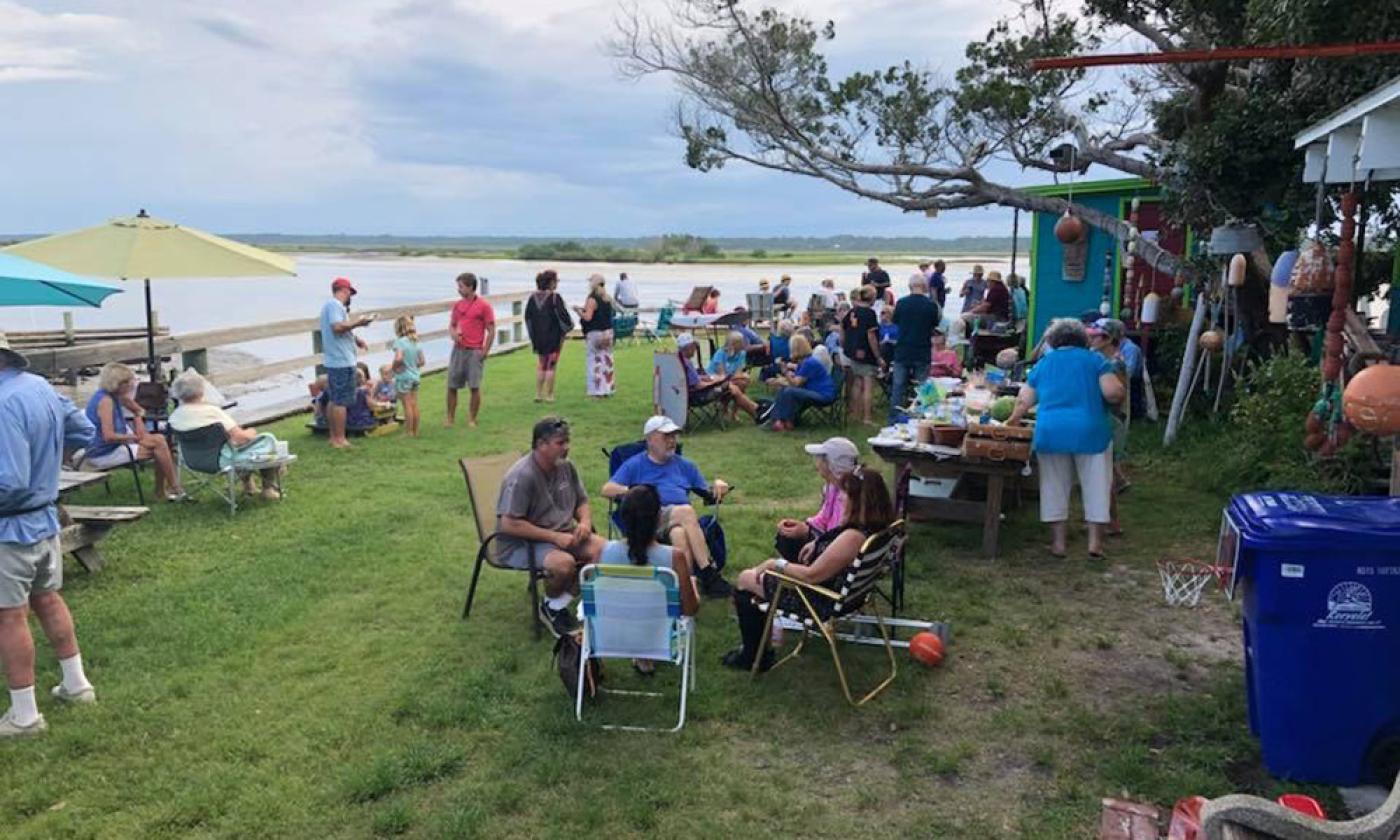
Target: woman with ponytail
(640, 512)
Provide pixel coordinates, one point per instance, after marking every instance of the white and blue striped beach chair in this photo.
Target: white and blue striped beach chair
(634, 612)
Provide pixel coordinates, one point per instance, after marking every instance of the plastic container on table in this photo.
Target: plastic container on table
(1320, 581)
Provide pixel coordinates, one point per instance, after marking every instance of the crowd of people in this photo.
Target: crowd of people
(543, 511)
(546, 521)
(873, 334)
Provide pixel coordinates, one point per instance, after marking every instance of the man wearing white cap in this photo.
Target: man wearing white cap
(36, 425)
(834, 458)
(675, 478)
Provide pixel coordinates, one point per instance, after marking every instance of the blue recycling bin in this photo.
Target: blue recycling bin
(1320, 581)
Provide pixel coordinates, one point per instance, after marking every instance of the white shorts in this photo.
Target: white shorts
(124, 454)
(1057, 474)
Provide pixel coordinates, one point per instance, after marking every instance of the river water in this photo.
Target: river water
(384, 281)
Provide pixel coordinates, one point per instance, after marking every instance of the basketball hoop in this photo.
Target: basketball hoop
(1184, 580)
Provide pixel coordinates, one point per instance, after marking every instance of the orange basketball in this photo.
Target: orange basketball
(927, 648)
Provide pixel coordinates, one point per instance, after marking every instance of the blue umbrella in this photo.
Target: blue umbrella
(27, 283)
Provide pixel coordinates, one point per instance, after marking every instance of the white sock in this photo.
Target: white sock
(23, 710)
(74, 680)
(559, 602)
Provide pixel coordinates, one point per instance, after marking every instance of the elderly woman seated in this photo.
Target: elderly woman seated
(246, 449)
(823, 562)
(834, 459)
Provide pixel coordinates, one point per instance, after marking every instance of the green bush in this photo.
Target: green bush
(1260, 445)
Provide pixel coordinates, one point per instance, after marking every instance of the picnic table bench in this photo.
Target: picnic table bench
(82, 527)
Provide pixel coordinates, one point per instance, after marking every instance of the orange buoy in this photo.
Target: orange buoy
(1069, 228)
(1371, 402)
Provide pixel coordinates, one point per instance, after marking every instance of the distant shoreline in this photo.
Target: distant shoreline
(725, 258)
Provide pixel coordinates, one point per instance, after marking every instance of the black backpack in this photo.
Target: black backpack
(567, 651)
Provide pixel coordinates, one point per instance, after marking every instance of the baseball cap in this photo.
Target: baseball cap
(683, 341)
(660, 423)
(1111, 327)
(839, 452)
(343, 283)
(12, 357)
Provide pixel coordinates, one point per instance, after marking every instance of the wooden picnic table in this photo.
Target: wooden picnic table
(945, 463)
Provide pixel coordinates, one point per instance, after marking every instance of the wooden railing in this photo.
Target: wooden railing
(194, 347)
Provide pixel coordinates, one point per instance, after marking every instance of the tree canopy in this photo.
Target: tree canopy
(756, 87)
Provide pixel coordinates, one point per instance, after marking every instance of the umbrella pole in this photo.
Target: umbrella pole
(151, 367)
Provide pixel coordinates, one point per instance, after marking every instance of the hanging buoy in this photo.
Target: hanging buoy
(1069, 229)
(1150, 305)
(1212, 341)
(1371, 402)
(1238, 263)
(1278, 304)
(1312, 271)
(1105, 309)
(1283, 268)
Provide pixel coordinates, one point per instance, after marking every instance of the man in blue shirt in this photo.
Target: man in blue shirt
(938, 283)
(675, 478)
(915, 315)
(338, 343)
(36, 425)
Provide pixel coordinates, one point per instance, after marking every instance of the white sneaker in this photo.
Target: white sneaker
(10, 729)
(86, 695)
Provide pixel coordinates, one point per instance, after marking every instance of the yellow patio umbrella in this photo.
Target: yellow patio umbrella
(146, 247)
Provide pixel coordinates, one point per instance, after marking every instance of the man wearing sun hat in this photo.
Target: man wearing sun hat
(36, 425)
(338, 343)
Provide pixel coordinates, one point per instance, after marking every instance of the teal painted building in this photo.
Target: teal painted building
(1051, 295)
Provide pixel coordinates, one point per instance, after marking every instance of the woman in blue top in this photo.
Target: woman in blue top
(809, 384)
(1074, 388)
(115, 442)
(640, 513)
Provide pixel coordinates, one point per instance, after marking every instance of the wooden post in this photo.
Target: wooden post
(197, 359)
(68, 331)
(318, 349)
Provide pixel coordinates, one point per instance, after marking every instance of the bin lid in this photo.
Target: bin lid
(1291, 519)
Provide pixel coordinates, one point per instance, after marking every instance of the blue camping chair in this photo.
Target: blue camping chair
(635, 612)
(709, 522)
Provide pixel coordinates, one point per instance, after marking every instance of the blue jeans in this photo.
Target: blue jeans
(904, 373)
(789, 402)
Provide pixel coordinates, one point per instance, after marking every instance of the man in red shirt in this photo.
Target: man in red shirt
(473, 328)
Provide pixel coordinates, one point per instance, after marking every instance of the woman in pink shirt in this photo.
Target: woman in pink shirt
(834, 458)
(943, 361)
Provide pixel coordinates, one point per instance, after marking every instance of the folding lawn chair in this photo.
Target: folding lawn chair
(199, 451)
(624, 325)
(134, 465)
(484, 476)
(807, 607)
(760, 307)
(831, 413)
(672, 396)
(634, 612)
(198, 456)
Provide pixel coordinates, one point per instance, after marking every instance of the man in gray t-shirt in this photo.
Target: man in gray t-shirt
(543, 518)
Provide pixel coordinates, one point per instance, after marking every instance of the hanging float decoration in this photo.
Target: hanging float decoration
(1371, 402)
(1327, 427)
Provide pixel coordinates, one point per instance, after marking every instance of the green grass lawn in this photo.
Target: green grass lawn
(301, 670)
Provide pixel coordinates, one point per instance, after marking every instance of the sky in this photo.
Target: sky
(409, 117)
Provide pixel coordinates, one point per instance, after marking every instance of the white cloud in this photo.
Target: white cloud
(268, 106)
